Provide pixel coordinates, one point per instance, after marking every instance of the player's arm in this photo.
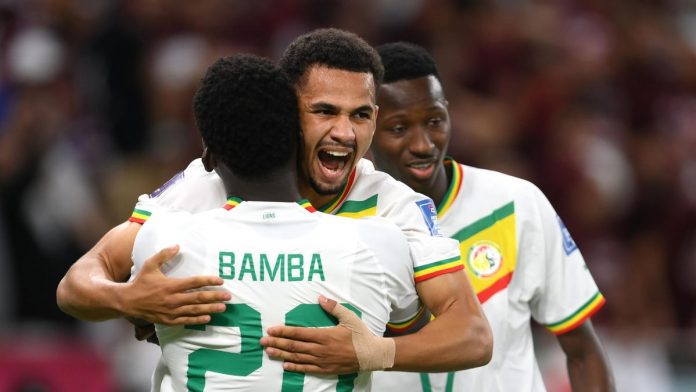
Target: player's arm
(96, 286)
(587, 364)
(458, 338)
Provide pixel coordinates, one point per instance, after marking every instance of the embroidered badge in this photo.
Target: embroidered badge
(484, 259)
(568, 244)
(427, 208)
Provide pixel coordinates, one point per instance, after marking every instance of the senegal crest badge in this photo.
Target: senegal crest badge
(484, 259)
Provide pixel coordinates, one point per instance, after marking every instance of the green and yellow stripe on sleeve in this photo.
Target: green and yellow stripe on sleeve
(401, 327)
(139, 216)
(574, 320)
(428, 271)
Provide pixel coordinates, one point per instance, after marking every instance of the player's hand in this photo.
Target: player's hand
(315, 350)
(144, 330)
(346, 348)
(153, 297)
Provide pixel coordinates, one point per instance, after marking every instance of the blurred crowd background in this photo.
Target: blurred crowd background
(594, 101)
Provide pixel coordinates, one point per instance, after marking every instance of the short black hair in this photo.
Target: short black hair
(333, 48)
(246, 111)
(405, 60)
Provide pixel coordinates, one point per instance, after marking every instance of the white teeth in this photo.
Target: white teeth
(337, 153)
(420, 165)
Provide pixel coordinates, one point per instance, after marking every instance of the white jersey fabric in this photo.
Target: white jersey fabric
(276, 259)
(523, 264)
(368, 192)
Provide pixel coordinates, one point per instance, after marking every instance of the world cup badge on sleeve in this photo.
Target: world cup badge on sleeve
(427, 208)
(569, 245)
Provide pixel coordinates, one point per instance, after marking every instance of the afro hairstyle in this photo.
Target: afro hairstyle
(246, 111)
(333, 48)
(404, 60)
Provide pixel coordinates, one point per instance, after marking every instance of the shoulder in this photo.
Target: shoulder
(499, 187)
(193, 189)
(370, 180)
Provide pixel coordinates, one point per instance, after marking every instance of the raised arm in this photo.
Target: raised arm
(96, 287)
(588, 367)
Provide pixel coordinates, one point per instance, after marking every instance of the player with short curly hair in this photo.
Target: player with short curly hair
(333, 48)
(270, 107)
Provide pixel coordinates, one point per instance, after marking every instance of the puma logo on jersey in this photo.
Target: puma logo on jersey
(290, 267)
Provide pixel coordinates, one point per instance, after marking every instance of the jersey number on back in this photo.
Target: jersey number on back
(250, 357)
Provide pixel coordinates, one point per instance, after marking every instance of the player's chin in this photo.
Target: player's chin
(419, 184)
(326, 188)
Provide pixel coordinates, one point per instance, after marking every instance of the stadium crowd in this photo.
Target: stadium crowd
(593, 101)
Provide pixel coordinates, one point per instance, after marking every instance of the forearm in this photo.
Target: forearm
(450, 345)
(589, 373)
(588, 368)
(89, 295)
(92, 289)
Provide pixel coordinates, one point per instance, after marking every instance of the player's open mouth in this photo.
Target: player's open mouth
(333, 161)
(421, 169)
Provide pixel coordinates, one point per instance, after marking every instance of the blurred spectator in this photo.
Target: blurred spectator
(593, 101)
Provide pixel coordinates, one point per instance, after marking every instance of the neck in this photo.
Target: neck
(316, 199)
(439, 188)
(278, 186)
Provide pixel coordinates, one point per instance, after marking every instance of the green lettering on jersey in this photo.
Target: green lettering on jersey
(295, 264)
(247, 267)
(265, 266)
(226, 269)
(316, 268)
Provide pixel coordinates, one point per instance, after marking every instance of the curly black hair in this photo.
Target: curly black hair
(405, 60)
(333, 48)
(246, 111)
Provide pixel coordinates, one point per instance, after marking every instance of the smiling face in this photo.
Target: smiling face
(413, 131)
(337, 116)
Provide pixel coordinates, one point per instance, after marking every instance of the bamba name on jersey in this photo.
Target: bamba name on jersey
(284, 267)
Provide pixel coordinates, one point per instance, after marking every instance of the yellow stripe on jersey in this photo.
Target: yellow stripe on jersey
(427, 271)
(405, 325)
(579, 316)
(139, 216)
(489, 251)
(453, 190)
(232, 202)
(359, 208)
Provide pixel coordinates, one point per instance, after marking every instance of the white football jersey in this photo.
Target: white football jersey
(368, 192)
(523, 264)
(276, 259)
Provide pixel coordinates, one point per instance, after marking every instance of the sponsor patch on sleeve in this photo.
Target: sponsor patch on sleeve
(178, 176)
(568, 244)
(427, 208)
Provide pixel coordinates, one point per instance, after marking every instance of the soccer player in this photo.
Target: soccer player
(520, 257)
(335, 74)
(270, 246)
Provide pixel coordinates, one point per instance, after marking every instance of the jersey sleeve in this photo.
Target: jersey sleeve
(432, 255)
(391, 249)
(567, 295)
(193, 189)
(162, 228)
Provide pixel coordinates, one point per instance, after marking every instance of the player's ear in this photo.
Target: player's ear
(208, 160)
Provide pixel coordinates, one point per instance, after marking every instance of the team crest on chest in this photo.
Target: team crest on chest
(484, 259)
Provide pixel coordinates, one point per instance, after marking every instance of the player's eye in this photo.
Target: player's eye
(398, 129)
(435, 121)
(364, 115)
